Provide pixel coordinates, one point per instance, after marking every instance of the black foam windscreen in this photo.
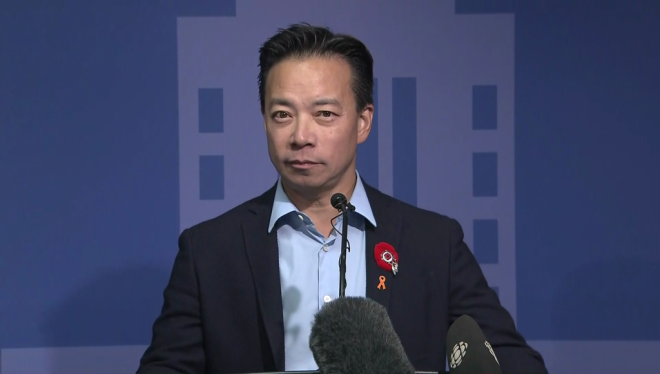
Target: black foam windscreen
(353, 335)
(338, 200)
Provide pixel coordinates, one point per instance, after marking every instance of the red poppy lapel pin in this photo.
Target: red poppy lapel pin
(386, 257)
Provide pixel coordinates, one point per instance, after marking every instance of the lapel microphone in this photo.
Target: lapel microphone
(339, 202)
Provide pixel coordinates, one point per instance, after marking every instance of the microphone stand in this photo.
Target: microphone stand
(342, 257)
(340, 202)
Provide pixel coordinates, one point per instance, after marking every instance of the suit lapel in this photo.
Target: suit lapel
(263, 256)
(388, 230)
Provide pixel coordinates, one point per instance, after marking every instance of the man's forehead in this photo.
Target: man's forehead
(327, 69)
(320, 82)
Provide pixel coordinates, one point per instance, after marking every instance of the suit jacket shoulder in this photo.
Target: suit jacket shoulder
(230, 221)
(412, 217)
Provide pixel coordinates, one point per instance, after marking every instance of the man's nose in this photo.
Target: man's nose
(303, 132)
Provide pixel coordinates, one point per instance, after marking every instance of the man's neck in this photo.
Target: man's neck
(316, 204)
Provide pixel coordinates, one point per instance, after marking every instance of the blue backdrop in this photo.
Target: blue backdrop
(535, 123)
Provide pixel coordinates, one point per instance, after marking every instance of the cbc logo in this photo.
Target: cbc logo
(457, 354)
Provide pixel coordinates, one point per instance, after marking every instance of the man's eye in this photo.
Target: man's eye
(280, 114)
(325, 113)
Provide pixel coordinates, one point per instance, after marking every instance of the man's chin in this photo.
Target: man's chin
(306, 181)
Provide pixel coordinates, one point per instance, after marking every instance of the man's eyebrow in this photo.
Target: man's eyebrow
(280, 101)
(326, 101)
(318, 102)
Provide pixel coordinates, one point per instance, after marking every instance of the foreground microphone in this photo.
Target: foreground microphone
(340, 203)
(468, 351)
(354, 335)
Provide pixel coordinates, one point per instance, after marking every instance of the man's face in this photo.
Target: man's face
(311, 121)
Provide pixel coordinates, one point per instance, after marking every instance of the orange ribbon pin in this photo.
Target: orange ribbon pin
(382, 282)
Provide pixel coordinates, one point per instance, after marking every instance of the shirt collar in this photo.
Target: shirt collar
(282, 205)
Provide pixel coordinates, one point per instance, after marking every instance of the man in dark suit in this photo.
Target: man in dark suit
(246, 285)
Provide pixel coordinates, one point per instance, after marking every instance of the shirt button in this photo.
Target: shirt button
(325, 247)
(327, 298)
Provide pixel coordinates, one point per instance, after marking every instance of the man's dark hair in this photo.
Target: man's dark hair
(303, 40)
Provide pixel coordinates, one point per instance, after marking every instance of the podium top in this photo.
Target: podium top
(317, 372)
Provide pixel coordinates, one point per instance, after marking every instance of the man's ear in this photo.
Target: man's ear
(263, 115)
(364, 123)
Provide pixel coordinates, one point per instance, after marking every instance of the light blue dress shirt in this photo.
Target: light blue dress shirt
(309, 268)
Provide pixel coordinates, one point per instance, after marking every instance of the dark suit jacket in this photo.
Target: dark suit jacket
(222, 309)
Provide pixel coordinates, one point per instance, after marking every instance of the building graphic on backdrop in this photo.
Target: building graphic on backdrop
(443, 135)
(443, 140)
